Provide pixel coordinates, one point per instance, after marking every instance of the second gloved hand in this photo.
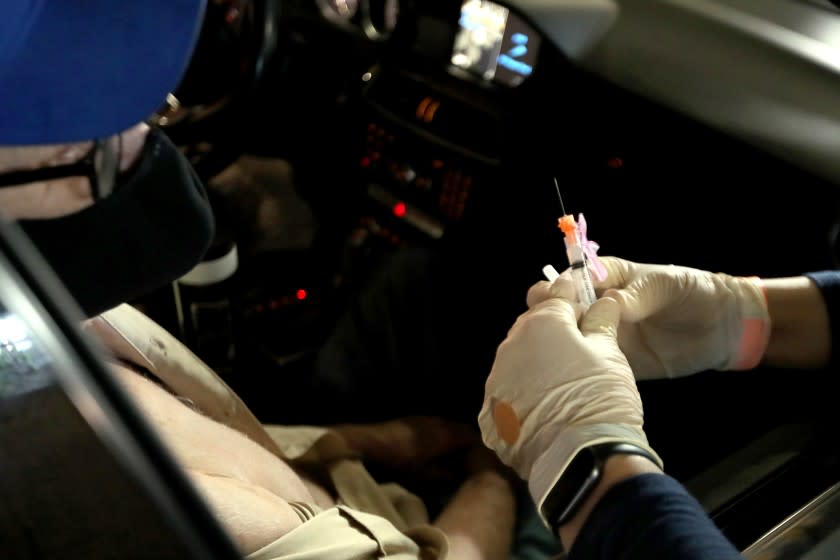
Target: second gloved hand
(556, 388)
(676, 321)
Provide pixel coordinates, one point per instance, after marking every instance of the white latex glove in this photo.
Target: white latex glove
(556, 388)
(676, 321)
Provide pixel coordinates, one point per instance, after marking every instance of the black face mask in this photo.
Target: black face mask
(153, 228)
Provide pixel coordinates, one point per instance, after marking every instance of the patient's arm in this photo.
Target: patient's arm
(407, 441)
(479, 519)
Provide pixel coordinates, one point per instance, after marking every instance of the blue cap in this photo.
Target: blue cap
(73, 70)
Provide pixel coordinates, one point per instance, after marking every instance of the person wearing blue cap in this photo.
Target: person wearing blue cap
(117, 211)
(72, 77)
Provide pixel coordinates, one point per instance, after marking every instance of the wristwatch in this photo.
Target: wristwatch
(580, 478)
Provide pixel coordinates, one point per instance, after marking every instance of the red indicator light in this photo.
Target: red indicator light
(399, 209)
(615, 163)
(231, 16)
(365, 162)
(301, 294)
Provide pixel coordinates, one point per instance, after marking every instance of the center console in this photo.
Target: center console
(433, 137)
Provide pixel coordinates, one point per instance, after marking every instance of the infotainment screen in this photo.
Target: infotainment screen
(494, 44)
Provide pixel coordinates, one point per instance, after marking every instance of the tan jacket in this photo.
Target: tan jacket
(371, 521)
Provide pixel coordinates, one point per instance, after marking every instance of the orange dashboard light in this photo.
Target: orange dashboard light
(399, 209)
(422, 106)
(426, 109)
(301, 294)
(431, 110)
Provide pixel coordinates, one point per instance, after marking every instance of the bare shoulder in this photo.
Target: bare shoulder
(246, 487)
(253, 516)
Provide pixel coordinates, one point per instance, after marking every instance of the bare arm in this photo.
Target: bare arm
(800, 335)
(479, 518)
(411, 440)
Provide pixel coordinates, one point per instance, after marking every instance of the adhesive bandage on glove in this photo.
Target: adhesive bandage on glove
(556, 388)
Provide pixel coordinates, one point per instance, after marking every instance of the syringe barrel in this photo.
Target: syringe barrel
(580, 273)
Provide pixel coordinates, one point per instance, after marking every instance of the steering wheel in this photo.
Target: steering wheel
(238, 38)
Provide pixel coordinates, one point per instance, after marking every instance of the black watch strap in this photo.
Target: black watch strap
(580, 478)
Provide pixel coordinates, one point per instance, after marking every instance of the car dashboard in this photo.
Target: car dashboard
(433, 135)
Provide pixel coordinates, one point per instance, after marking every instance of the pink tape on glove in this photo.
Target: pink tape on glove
(755, 335)
(590, 249)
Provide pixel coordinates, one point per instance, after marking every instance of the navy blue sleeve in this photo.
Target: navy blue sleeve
(650, 516)
(828, 281)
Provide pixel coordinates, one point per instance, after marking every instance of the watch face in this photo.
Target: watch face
(571, 489)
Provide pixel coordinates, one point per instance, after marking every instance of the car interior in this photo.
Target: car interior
(339, 139)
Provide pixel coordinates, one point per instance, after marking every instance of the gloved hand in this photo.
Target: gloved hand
(676, 321)
(556, 388)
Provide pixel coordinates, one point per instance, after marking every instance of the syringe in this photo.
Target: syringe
(577, 260)
(576, 255)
